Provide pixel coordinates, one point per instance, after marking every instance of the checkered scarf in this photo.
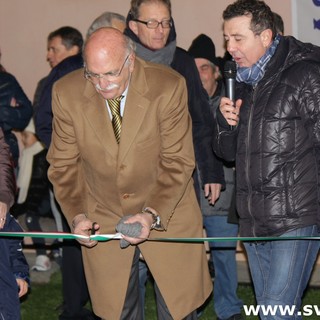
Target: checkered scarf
(252, 75)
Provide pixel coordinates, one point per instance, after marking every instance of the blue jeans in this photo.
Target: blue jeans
(225, 300)
(281, 270)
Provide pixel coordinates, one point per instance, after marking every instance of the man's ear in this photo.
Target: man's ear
(134, 27)
(266, 37)
(74, 50)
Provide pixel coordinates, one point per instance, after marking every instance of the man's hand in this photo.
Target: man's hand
(212, 192)
(3, 214)
(135, 228)
(83, 226)
(230, 111)
(23, 287)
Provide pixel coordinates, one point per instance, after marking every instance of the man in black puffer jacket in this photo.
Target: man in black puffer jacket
(276, 145)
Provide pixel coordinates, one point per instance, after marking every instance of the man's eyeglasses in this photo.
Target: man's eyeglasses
(95, 77)
(154, 24)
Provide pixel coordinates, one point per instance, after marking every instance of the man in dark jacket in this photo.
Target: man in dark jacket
(151, 27)
(276, 146)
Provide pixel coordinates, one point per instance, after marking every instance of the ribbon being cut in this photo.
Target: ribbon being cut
(118, 236)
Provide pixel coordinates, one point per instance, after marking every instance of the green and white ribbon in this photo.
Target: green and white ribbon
(117, 236)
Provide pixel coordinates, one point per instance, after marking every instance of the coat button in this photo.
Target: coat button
(126, 196)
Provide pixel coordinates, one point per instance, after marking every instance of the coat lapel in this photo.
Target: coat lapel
(135, 109)
(95, 110)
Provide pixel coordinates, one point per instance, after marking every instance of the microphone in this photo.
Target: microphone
(230, 73)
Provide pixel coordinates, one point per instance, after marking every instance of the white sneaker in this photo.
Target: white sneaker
(43, 263)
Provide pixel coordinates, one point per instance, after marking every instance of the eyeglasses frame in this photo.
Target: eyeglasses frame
(161, 22)
(96, 76)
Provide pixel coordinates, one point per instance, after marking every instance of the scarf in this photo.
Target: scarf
(163, 56)
(252, 75)
(25, 170)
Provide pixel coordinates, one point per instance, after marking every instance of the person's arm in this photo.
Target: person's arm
(17, 112)
(210, 167)
(226, 129)
(43, 113)
(19, 264)
(7, 180)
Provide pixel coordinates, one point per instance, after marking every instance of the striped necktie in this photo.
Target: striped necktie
(114, 105)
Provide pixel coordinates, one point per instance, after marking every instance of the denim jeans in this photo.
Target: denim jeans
(225, 300)
(281, 270)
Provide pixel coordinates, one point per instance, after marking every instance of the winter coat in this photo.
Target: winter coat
(211, 170)
(13, 264)
(13, 117)
(151, 167)
(277, 143)
(7, 180)
(43, 111)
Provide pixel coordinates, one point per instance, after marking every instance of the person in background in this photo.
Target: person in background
(64, 56)
(33, 198)
(278, 23)
(216, 217)
(107, 19)
(150, 25)
(128, 165)
(15, 112)
(14, 269)
(275, 142)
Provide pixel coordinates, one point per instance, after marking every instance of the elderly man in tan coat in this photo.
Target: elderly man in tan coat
(134, 166)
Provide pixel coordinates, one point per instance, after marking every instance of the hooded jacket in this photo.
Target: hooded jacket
(277, 143)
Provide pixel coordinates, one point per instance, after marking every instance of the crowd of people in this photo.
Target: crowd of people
(130, 133)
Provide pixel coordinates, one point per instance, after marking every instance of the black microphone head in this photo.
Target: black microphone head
(230, 69)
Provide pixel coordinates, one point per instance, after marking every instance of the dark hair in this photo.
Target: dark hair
(135, 6)
(278, 23)
(69, 36)
(260, 13)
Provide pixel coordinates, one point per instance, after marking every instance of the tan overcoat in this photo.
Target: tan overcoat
(152, 166)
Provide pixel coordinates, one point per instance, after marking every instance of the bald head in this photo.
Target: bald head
(109, 60)
(105, 41)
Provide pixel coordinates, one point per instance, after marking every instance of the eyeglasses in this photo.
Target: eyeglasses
(154, 24)
(95, 77)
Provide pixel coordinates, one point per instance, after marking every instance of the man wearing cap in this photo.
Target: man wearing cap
(220, 218)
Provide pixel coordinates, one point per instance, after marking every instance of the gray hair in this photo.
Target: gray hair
(105, 20)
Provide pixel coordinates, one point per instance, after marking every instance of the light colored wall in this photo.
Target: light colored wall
(25, 25)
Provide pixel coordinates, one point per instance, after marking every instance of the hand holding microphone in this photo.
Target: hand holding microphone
(230, 73)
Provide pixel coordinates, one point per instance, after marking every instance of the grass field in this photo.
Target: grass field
(43, 300)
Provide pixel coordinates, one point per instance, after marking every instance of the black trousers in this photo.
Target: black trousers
(132, 309)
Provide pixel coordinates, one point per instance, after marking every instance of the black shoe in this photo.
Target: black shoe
(237, 316)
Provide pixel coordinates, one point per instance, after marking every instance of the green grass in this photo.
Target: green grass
(42, 301)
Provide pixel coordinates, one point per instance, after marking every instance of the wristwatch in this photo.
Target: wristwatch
(156, 224)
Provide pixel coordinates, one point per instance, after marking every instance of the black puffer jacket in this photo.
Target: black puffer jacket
(277, 143)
